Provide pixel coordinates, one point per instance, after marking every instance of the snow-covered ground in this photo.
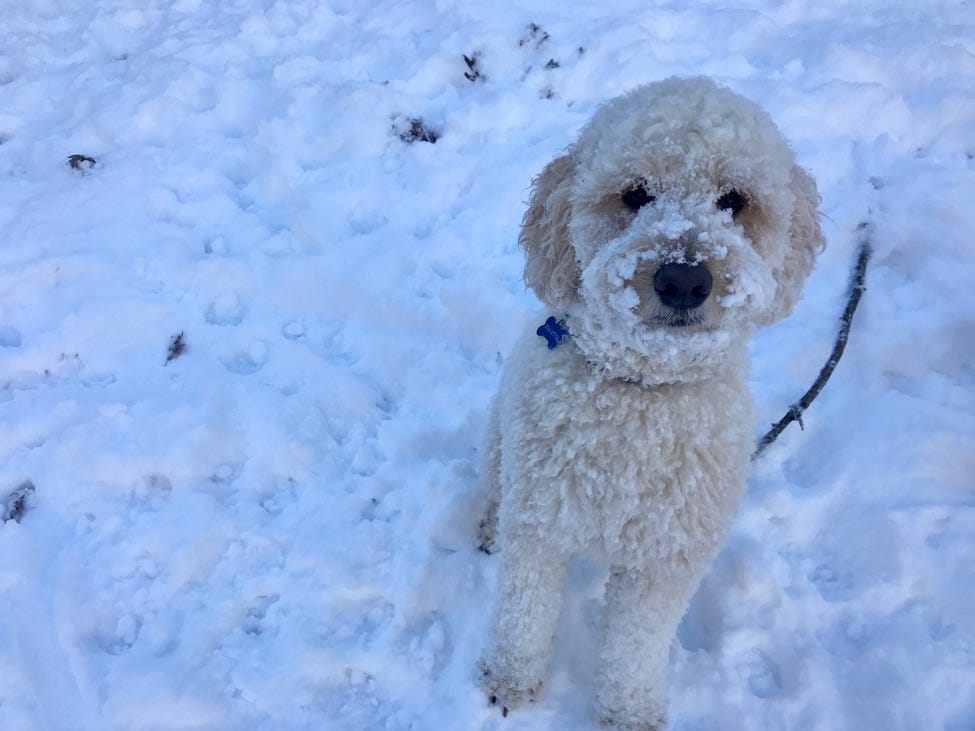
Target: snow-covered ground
(275, 529)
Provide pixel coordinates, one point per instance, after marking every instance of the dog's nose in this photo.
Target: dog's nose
(682, 286)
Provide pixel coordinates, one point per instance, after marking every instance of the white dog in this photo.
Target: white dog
(677, 220)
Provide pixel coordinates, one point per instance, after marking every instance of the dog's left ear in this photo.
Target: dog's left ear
(805, 241)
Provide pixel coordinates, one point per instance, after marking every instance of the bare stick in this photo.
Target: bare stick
(857, 287)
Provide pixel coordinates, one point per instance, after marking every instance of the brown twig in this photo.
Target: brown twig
(177, 346)
(81, 162)
(857, 287)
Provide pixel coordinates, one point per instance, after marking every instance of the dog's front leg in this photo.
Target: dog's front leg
(490, 481)
(530, 586)
(642, 614)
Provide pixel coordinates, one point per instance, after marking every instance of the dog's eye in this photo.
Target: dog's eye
(636, 198)
(731, 201)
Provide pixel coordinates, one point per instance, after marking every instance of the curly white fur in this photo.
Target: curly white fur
(632, 437)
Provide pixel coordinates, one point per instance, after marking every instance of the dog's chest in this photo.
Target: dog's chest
(620, 437)
(614, 462)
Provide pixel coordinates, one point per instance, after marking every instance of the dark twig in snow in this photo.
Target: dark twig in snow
(416, 131)
(177, 346)
(857, 287)
(474, 73)
(82, 163)
(16, 504)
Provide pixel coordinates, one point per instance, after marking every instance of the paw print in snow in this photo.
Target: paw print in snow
(226, 309)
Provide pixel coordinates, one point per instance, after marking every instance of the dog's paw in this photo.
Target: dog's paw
(487, 533)
(610, 725)
(503, 692)
(654, 721)
(487, 544)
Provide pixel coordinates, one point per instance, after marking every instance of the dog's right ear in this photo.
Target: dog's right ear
(551, 269)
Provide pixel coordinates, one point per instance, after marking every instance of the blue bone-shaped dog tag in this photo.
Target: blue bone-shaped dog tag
(553, 331)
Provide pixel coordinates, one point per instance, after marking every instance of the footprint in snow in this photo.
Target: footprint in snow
(255, 620)
(831, 586)
(428, 645)
(764, 676)
(10, 337)
(117, 639)
(293, 330)
(357, 624)
(247, 359)
(226, 309)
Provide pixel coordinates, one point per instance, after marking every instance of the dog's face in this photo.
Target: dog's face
(677, 216)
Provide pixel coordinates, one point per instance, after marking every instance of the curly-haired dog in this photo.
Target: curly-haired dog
(677, 220)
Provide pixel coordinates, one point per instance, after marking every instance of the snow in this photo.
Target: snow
(275, 530)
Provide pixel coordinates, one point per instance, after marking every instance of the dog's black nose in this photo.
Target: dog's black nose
(682, 286)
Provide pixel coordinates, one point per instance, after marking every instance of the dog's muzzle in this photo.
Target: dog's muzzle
(682, 286)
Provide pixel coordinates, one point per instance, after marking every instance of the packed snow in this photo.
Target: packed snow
(258, 274)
